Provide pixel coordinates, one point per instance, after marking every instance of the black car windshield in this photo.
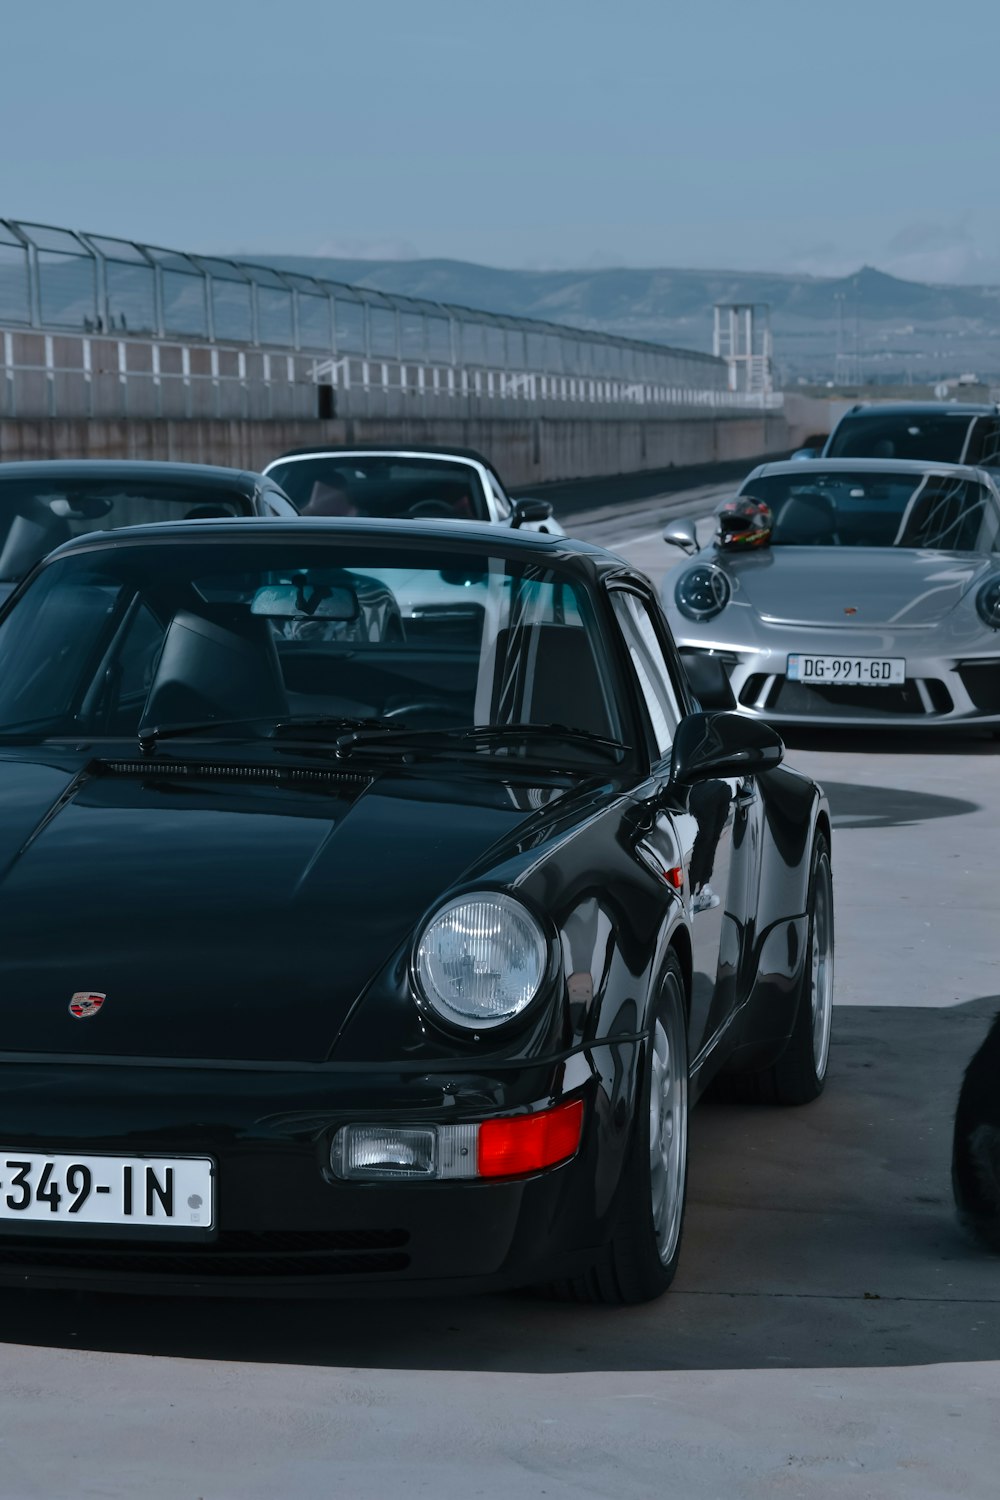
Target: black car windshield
(886, 509)
(928, 437)
(38, 514)
(348, 484)
(311, 637)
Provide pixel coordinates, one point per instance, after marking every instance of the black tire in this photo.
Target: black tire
(975, 1181)
(975, 1153)
(638, 1265)
(799, 1075)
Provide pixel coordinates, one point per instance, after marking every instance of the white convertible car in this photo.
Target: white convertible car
(416, 483)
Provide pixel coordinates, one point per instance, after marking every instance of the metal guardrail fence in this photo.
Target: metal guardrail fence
(96, 326)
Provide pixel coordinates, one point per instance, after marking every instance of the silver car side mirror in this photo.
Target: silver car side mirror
(682, 534)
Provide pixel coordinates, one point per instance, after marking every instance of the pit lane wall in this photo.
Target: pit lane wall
(524, 449)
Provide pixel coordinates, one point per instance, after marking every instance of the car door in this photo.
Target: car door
(693, 829)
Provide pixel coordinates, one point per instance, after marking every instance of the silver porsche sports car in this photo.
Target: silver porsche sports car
(850, 591)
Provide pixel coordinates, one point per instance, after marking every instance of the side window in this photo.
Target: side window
(138, 655)
(650, 666)
(275, 504)
(503, 504)
(983, 445)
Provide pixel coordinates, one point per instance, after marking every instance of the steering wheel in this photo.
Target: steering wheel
(423, 706)
(430, 508)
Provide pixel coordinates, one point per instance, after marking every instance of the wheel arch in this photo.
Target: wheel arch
(823, 826)
(680, 944)
(795, 810)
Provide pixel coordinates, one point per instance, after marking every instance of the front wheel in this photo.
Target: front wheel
(641, 1259)
(799, 1074)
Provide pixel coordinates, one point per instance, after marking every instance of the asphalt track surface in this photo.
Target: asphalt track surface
(831, 1331)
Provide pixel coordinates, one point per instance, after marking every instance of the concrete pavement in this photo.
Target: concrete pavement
(82, 1426)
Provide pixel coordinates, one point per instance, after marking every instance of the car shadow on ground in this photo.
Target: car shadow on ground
(815, 1237)
(946, 742)
(856, 804)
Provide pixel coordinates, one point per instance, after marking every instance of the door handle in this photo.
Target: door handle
(746, 796)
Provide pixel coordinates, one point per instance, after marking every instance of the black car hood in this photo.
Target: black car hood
(221, 919)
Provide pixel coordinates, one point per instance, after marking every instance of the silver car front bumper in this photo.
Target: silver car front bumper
(951, 679)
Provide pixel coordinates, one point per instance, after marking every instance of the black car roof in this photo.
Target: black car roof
(205, 476)
(476, 536)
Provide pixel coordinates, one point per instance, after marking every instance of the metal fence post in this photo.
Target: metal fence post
(50, 376)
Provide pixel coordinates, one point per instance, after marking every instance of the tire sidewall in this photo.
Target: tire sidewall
(820, 858)
(670, 997)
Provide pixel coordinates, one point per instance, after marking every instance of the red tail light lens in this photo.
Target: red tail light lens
(528, 1143)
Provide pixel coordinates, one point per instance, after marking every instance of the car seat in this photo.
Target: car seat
(807, 520)
(218, 663)
(553, 678)
(30, 538)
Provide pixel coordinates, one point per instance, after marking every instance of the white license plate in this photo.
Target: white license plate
(146, 1191)
(856, 671)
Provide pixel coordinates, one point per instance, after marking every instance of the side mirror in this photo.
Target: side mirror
(708, 681)
(682, 534)
(713, 745)
(806, 453)
(529, 509)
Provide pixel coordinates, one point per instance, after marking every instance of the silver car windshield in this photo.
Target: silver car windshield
(837, 509)
(306, 633)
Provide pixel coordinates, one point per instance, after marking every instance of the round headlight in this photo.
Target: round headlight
(988, 603)
(702, 592)
(481, 960)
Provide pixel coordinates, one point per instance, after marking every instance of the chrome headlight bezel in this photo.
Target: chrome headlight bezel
(511, 911)
(719, 587)
(987, 608)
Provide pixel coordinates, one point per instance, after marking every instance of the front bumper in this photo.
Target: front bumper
(948, 683)
(284, 1223)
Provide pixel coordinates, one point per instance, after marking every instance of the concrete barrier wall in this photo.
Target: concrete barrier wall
(524, 450)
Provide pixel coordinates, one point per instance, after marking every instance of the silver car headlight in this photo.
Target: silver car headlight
(703, 592)
(480, 960)
(988, 603)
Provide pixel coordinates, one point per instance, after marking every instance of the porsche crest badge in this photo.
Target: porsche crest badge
(86, 1003)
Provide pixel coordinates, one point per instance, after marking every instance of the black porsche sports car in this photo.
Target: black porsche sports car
(337, 958)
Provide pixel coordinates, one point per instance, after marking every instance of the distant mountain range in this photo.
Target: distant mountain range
(893, 329)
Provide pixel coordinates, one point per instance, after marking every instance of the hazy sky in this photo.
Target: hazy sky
(770, 134)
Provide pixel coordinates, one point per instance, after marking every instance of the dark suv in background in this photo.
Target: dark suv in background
(928, 431)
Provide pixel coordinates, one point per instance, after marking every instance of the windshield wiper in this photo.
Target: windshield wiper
(351, 733)
(398, 737)
(150, 735)
(339, 722)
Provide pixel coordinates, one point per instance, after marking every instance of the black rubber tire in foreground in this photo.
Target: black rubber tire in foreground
(794, 1077)
(631, 1268)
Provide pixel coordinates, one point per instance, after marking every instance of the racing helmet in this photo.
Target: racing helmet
(743, 522)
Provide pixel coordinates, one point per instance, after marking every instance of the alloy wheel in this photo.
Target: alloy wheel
(668, 1129)
(821, 960)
